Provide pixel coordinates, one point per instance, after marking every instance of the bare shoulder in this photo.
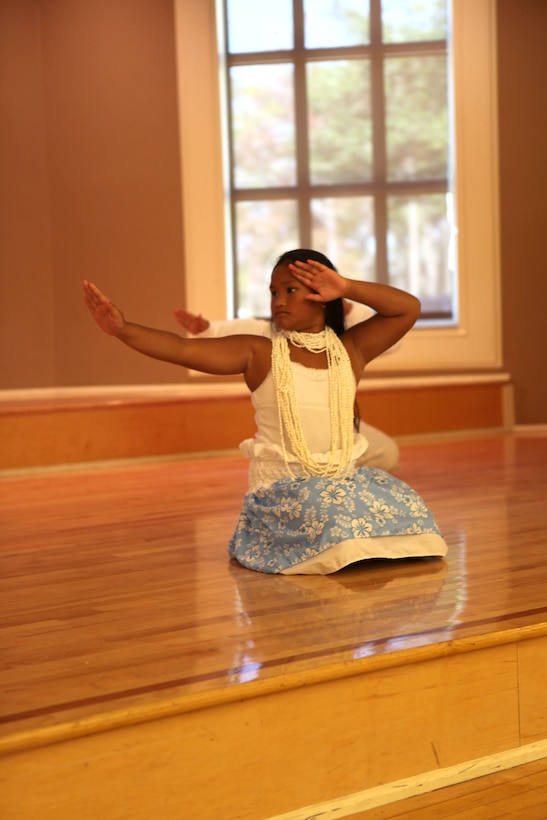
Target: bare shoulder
(350, 342)
(260, 360)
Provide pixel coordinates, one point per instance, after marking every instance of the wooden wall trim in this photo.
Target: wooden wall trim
(52, 427)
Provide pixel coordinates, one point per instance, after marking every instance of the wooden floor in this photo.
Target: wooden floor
(119, 603)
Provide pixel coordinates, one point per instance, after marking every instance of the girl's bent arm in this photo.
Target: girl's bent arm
(395, 310)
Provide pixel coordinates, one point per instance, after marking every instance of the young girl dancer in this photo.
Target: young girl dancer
(309, 509)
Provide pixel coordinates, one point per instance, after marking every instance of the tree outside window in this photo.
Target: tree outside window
(339, 126)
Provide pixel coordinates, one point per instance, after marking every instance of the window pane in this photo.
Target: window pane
(343, 229)
(330, 23)
(256, 26)
(404, 21)
(339, 121)
(416, 117)
(370, 124)
(263, 125)
(419, 248)
(265, 230)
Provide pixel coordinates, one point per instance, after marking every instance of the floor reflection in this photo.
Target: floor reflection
(370, 608)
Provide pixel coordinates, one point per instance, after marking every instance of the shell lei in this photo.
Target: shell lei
(341, 399)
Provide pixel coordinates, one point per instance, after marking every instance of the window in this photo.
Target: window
(339, 140)
(474, 341)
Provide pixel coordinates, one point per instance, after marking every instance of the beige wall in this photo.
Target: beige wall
(27, 354)
(522, 73)
(90, 184)
(90, 188)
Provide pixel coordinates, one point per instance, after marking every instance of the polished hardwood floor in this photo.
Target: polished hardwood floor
(117, 592)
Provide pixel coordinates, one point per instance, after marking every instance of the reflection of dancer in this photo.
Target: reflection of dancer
(382, 450)
(309, 510)
(362, 612)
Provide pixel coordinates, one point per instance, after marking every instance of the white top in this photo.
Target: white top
(265, 449)
(265, 327)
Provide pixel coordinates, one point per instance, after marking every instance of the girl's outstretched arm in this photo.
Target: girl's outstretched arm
(215, 356)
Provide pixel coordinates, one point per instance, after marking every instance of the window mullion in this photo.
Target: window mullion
(302, 152)
(378, 141)
(301, 128)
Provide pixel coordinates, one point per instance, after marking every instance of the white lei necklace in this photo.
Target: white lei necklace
(341, 399)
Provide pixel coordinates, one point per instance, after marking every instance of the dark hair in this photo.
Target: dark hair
(334, 312)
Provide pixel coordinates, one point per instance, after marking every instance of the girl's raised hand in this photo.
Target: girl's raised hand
(327, 283)
(107, 315)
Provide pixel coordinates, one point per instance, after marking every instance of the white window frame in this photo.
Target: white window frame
(475, 342)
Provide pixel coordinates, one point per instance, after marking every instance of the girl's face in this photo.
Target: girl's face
(291, 310)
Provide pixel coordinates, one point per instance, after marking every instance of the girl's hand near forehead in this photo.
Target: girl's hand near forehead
(395, 311)
(326, 283)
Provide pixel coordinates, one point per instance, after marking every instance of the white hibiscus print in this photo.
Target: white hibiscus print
(334, 494)
(288, 507)
(381, 512)
(361, 527)
(418, 509)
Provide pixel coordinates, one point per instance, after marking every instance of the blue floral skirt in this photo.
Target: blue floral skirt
(319, 525)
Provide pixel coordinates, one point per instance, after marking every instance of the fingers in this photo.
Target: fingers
(303, 272)
(307, 270)
(93, 294)
(189, 321)
(90, 288)
(95, 300)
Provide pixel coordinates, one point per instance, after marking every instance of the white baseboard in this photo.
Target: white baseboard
(420, 784)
